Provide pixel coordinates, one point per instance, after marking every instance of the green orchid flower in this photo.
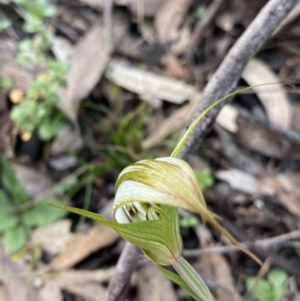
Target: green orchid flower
(144, 186)
(145, 212)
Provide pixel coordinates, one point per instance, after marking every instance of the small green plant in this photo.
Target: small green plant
(200, 11)
(204, 178)
(35, 14)
(121, 146)
(37, 109)
(271, 289)
(4, 23)
(15, 225)
(189, 222)
(129, 134)
(5, 83)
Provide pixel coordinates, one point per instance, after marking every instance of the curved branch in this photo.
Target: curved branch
(226, 77)
(119, 283)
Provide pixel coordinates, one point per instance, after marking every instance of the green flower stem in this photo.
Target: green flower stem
(192, 278)
(183, 140)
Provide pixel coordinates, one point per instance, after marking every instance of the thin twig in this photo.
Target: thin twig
(119, 283)
(263, 243)
(201, 27)
(226, 77)
(289, 134)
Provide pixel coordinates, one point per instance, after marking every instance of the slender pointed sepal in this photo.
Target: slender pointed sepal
(159, 239)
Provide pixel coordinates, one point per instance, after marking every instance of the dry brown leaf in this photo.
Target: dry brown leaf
(296, 118)
(257, 215)
(94, 3)
(273, 98)
(261, 139)
(8, 134)
(183, 41)
(217, 268)
(174, 68)
(87, 291)
(53, 238)
(97, 237)
(285, 186)
(153, 286)
(238, 180)
(72, 277)
(88, 62)
(63, 162)
(145, 8)
(227, 118)
(2, 293)
(33, 181)
(62, 48)
(50, 291)
(70, 17)
(147, 33)
(150, 86)
(16, 282)
(169, 17)
(227, 20)
(258, 138)
(267, 184)
(203, 263)
(223, 276)
(173, 123)
(141, 8)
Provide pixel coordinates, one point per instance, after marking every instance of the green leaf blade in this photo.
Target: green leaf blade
(42, 214)
(14, 239)
(277, 277)
(7, 222)
(179, 281)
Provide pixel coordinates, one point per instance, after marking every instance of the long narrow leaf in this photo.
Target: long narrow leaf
(153, 236)
(179, 281)
(192, 278)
